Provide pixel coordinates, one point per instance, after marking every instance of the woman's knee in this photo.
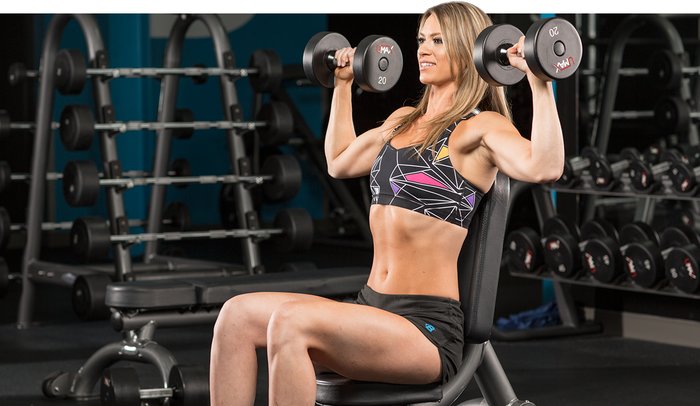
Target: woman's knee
(234, 315)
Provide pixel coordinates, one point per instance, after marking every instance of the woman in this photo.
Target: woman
(429, 166)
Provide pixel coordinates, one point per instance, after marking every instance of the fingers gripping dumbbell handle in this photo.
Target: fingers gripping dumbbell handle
(212, 234)
(212, 179)
(197, 125)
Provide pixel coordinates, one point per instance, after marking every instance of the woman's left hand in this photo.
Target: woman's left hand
(516, 56)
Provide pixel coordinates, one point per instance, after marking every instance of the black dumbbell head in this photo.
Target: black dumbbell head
(119, 386)
(178, 216)
(562, 255)
(88, 296)
(602, 259)
(315, 58)
(183, 116)
(286, 174)
(16, 73)
(81, 183)
(77, 127)
(665, 70)
(524, 250)
(682, 178)
(5, 224)
(5, 123)
(90, 238)
(637, 232)
(279, 123)
(5, 175)
(190, 385)
(298, 230)
(553, 49)
(644, 264)
(71, 71)
(683, 268)
(489, 55)
(560, 225)
(672, 115)
(377, 64)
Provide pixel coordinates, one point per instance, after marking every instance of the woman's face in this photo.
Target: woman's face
(433, 62)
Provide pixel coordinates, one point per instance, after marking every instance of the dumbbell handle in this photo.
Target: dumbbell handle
(197, 125)
(208, 179)
(156, 393)
(176, 236)
(578, 163)
(66, 225)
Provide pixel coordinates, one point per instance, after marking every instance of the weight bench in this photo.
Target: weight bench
(479, 266)
(138, 307)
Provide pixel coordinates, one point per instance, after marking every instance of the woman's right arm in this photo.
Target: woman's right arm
(347, 154)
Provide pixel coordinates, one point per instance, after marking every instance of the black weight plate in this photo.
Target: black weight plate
(314, 61)
(677, 236)
(119, 387)
(602, 172)
(682, 268)
(692, 155)
(596, 229)
(269, 66)
(77, 127)
(562, 255)
(4, 277)
(180, 167)
(561, 226)
(377, 64)
(641, 175)
(5, 124)
(683, 179)
(665, 70)
(5, 225)
(672, 115)
(88, 297)
(183, 116)
(602, 259)
(16, 73)
(286, 174)
(643, 263)
(298, 230)
(490, 62)
(90, 238)
(5, 175)
(190, 385)
(71, 71)
(279, 123)
(638, 232)
(178, 216)
(553, 49)
(81, 183)
(630, 154)
(568, 176)
(524, 249)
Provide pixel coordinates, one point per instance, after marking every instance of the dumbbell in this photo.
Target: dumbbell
(265, 71)
(646, 261)
(281, 177)
(187, 386)
(91, 239)
(644, 176)
(575, 165)
(674, 115)
(603, 256)
(552, 51)
(6, 277)
(179, 167)
(275, 123)
(563, 252)
(175, 216)
(524, 245)
(376, 66)
(685, 173)
(605, 174)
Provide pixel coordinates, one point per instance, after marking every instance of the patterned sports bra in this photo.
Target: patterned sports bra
(425, 183)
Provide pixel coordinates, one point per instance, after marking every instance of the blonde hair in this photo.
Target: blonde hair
(460, 23)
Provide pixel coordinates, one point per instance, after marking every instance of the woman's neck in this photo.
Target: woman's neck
(441, 100)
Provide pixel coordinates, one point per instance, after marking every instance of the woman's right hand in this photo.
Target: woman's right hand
(343, 58)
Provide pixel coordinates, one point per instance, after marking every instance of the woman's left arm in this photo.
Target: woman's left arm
(541, 159)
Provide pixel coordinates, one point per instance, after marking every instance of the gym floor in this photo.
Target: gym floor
(584, 370)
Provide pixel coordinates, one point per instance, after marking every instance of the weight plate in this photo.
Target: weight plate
(561, 226)
(177, 215)
(377, 64)
(553, 49)
(81, 183)
(77, 127)
(643, 263)
(672, 115)
(269, 66)
(88, 297)
(665, 70)
(4, 277)
(677, 236)
(524, 250)
(298, 230)
(16, 73)
(596, 229)
(682, 268)
(5, 175)
(180, 167)
(315, 59)
(5, 124)
(683, 179)
(638, 232)
(602, 172)
(190, 385)
(183, 116)
(71, 71)
(279, 123)
(119, 387)
(286, 174)
(5, 228)
(641, 175)
(562, 255)
(90, 238)
(602, 259)
(489, 55)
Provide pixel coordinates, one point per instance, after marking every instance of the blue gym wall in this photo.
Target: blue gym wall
(129, 43)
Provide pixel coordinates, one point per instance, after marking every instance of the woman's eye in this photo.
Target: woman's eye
(420, 41)
(437, 40)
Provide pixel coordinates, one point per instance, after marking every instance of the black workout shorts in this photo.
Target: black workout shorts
(440, 319)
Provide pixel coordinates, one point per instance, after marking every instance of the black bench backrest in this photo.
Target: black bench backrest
(480, 261)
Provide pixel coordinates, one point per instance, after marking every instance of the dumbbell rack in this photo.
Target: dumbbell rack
(645, 208)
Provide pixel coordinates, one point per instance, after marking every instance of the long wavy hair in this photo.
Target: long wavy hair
(460, 23)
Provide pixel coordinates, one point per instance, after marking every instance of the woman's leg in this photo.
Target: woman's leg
(356, 341)
(240, 329)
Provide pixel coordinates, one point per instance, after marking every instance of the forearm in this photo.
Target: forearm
(341, 130)
(546, 141)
